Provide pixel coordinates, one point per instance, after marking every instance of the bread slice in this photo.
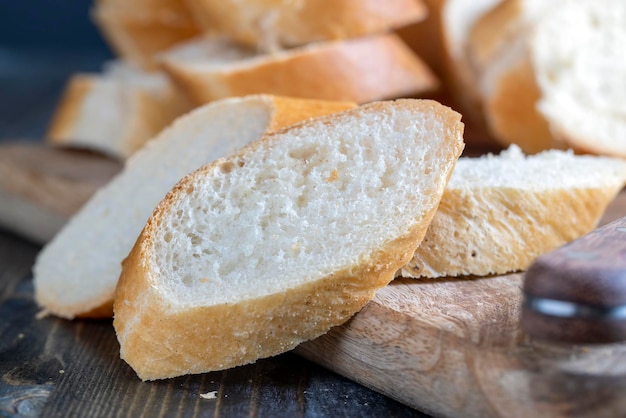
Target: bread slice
(76, 273)
(359, 70)
(502, 62)
(253, 254)
(582, 74)
(138, 30)
(552, 88)
(499, 213)
(457, 20)
(115, 112)
(276, 24)
(442, 41)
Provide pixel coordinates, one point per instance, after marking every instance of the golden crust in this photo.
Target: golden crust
(492, 32)
(160, 342)
(68, 109)
(309, 21)
(498, 230)
(361, 70)
(512, 113)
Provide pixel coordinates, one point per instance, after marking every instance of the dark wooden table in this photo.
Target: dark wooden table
(56, 368)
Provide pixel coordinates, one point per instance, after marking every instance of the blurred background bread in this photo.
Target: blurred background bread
(517, 70)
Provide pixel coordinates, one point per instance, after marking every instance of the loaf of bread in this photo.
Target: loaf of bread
(499, 213)
(76, 273)
(253, 254)
(277, 24)
(115, 112)
(554, 77)
(360, 70)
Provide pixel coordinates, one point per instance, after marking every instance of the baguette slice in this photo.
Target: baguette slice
(457, 20)
(76, 273)
(359, 70)
(275, 24)
(499, 213)
(503, 64)
(138, 30)
(256, 253)
(553, 87)
(582, 74)
(115, 112)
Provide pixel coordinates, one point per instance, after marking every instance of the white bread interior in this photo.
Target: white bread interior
(117, 111)
(76, 273)
(253, 254)
(499, 213)
(548, 87)
(359, 70)
(582, 74)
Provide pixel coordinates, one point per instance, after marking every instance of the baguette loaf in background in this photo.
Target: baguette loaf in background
(117, 111)
(498, 213)
(253, 254)
(76, 273)
(360, 70)
(279, 24)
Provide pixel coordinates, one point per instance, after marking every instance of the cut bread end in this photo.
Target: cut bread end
(499, 213)
(255, 253)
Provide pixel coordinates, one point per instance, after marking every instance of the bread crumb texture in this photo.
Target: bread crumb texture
(255, 253)
(498, 213)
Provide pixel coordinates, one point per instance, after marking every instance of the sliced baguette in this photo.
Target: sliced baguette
(253, 254)
(499, 213)
(115, 112)
(457, 20)
(275, 24)
(359, 70)
(76, 273)
(138, 30)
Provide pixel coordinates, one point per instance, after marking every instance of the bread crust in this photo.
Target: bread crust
(511, 105)
(275, 24)
(485, 231)
(159, 342)
(68, 109)
(360, 70)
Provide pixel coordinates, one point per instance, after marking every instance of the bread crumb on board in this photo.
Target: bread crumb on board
(209, 395)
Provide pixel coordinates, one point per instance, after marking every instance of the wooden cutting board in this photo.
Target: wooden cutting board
(446, 347)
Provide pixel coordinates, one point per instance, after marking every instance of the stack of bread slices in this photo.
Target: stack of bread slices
(178, 54)
(257, 222)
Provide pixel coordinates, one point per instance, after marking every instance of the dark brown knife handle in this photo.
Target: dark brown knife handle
(577, 293)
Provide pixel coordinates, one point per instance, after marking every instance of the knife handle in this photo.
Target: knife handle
(577, 293)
